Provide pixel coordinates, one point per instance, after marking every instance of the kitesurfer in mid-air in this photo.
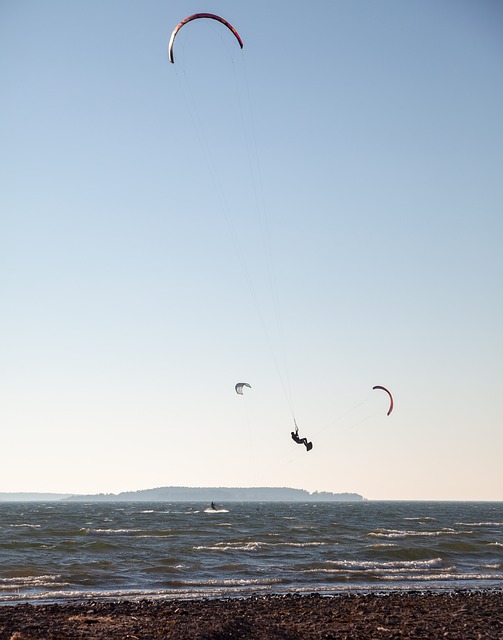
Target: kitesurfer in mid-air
(298, 440)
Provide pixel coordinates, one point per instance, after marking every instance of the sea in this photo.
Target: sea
(64, 551)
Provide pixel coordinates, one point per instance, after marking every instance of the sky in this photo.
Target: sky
(315, 214)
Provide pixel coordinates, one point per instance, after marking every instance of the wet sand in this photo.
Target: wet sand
(462, 615)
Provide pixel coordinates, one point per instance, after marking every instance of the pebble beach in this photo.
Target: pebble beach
(461, 615)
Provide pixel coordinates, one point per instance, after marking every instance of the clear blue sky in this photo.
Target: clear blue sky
(316, 214)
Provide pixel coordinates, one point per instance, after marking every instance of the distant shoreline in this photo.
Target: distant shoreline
(191, 494)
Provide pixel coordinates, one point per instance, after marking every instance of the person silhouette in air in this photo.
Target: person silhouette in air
(298, 440)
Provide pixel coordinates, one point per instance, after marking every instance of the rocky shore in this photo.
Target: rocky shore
(462, 615)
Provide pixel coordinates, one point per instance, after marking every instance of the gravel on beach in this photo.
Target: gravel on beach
(459, 615)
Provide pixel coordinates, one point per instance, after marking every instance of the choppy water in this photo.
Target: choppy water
(58, 550)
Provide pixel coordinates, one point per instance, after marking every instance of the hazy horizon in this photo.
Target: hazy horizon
(63, 494)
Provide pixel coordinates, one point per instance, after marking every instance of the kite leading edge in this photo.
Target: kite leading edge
(390, 397)
(195, 16)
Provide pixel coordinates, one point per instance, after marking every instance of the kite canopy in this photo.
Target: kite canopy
(195, 16)
(390, 397)
(239, 387)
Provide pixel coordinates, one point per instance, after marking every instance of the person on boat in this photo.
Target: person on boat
(298, 440)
